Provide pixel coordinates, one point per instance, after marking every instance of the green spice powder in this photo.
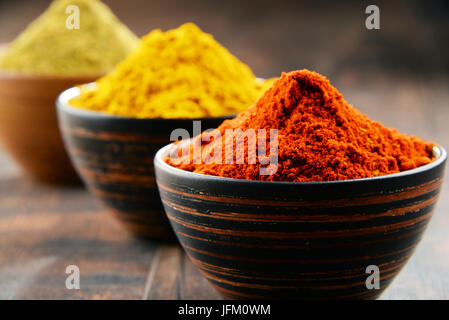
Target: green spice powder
(49, 47)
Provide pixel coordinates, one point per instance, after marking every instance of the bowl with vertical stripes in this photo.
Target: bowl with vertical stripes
(285, 240)
(114, 157)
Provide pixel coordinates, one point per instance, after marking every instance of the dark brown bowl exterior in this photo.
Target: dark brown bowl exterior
(114, 157)
(281, 240)
(29, 126)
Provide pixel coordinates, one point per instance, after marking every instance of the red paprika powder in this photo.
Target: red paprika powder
(320, 137)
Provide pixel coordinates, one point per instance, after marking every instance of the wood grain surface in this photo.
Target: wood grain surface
(44, 229)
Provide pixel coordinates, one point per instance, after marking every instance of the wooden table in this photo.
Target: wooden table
(44, 229)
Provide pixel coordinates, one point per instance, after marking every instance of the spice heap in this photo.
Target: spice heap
(49, 47)
(181, 73)
(321, 137)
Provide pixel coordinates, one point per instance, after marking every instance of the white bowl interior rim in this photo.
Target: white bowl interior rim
(63, 99)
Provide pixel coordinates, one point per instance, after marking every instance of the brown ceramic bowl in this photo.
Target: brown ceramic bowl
(29, 127)
(114, 157)
(287, 240)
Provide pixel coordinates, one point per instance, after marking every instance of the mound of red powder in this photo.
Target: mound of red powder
(320, 137)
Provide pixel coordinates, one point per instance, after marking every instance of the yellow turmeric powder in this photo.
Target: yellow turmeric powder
(181, 73)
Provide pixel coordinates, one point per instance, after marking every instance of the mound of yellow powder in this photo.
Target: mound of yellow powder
(181, 73)
(48, 47)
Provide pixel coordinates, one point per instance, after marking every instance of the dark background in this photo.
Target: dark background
(398, 75)
(273, 36)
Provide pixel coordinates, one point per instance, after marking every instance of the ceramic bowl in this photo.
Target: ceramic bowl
(286, 240)
(114, 157)
(29, 127)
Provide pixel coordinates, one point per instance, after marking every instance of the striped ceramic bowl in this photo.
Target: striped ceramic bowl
(323, 240)
(114, 157)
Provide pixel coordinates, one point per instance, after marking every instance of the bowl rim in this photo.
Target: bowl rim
(62, 103)
(159, 163)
